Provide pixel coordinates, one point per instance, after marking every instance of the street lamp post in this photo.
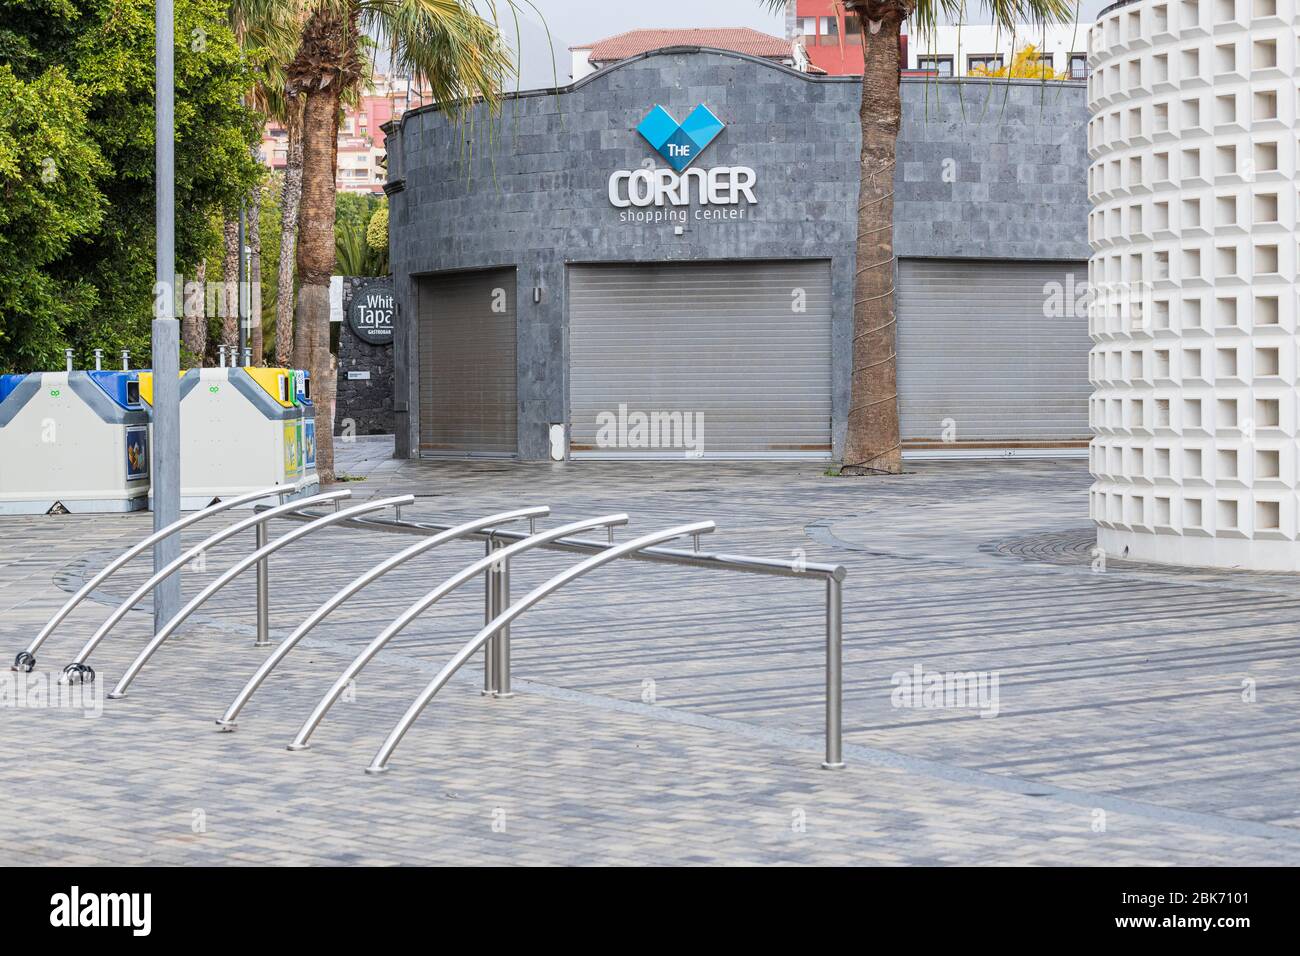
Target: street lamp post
(165, 331)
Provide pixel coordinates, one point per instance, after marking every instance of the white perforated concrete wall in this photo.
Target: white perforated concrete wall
(1193, 149)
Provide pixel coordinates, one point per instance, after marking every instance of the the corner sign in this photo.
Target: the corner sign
(634, 190)
(680, 143)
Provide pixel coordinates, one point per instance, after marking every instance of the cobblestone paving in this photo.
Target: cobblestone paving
(1120, 692)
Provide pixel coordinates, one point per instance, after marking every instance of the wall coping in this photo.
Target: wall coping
(606, 71)
(396, 125)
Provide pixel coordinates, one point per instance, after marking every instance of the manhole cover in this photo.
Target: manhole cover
(1072, 547)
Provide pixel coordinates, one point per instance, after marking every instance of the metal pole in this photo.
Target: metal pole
(834, 675)
(227, 720)
(239, 293)
(26, 659)
(461, 577)
(379, 764)
(134, 668)
(489, 612)
(165, 331)
(263, 592)
(258, 517)
(502, 640)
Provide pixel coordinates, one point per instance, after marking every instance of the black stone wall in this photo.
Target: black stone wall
(363, 405)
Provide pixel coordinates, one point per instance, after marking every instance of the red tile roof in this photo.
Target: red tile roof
(738, 39)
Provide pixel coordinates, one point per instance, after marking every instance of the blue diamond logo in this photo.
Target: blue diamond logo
(680, 143)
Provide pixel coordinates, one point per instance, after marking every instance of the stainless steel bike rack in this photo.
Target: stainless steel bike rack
(26, 658)
(380, 762)
(261, 554)
(494, 558)
(227, 720)
(79, 670)
(832, 575)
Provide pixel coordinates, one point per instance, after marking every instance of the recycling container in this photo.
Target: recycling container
(73, 442)
(241, 429)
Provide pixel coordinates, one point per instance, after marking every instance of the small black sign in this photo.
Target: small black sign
(370, 315)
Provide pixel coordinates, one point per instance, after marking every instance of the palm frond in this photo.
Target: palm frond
(459, 53)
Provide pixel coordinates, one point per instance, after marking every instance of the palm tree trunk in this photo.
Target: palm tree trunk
(872, 443)
(290, 196)
(194, 326)
(316, 264)
(255, 272)
(230, 281)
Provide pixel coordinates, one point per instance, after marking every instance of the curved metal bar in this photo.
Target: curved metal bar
(227, 720)
(442, 590)
(238, 568)
(251, 521)
(379, 764)
(26, 658)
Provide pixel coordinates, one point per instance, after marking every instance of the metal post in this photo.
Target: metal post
(67, 358)
(834, 675)
(239, 292)
(227, 720)
(263, 592)
(502, 639)
(99, 360)
(379, 764)
(489, 612)
(165, 330)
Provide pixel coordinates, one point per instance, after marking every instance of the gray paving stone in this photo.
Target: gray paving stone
(1119, 691)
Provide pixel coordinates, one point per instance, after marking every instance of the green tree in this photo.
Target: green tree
(48, 171)
(872, 444)
(377, 231)
(105, 49)
(1026, 64)
(361, 246)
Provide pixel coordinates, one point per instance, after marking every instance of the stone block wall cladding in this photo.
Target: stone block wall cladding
(366, 403)
(530, 192)
(992, 170)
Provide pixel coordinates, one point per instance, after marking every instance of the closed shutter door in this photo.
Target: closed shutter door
(468, 380)
(984, 353)
(715, 359)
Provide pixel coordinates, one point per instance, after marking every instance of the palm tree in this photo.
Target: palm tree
(255, 272)
(290, 196)
(230, 280)
(872, 445)
(460, 55)
(267, 30)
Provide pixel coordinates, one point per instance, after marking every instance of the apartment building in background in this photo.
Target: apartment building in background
(361, 149)
(833, 42)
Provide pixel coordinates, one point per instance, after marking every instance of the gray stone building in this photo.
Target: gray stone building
(658, 261)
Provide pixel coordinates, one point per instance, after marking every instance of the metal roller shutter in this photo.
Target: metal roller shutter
(744, 348)
(976, 347)
(468, 379)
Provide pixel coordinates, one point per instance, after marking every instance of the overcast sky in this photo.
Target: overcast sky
(584, 21)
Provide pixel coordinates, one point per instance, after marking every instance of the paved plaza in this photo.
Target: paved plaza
(674, 715)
